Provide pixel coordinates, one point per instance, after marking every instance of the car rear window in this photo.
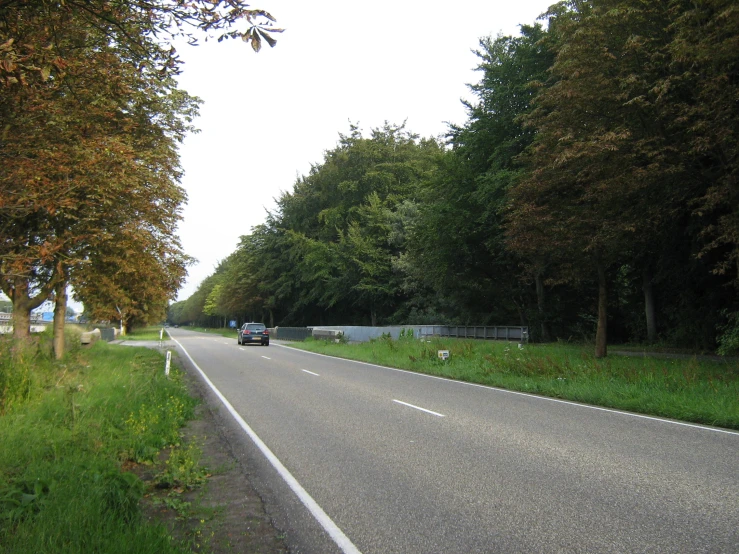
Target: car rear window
(256, 327)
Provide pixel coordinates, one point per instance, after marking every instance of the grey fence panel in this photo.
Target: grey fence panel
(291, 333)
(509, 333)
(356, 333)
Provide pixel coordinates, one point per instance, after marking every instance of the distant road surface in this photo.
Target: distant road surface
(405, 463)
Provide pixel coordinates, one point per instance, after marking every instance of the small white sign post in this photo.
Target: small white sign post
(444, 354)
(169, 361)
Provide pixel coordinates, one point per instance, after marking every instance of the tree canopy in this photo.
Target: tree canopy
(90, 121)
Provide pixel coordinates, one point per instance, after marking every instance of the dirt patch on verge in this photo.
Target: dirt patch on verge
(222, 515)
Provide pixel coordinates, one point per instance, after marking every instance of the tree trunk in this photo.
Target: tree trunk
(649, 306)
(541, 306)
(521, 314)
(23, 303)
(601, 335)
(22, 306)
(21, 320)
(60, 315)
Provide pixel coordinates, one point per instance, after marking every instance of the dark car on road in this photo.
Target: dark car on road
(253, 332)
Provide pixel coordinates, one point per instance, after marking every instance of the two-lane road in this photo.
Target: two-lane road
(407, 463)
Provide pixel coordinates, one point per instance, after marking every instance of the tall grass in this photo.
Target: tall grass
(66, 430)
(686, 389)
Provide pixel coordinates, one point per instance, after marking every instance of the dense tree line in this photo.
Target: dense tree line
(593, 189)
(90, 121)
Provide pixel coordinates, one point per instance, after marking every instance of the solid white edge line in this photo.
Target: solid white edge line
(528, 395)
(336, 534)
(306, 371)
(266, 358)
(418, 408)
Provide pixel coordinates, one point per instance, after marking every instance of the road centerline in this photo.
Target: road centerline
(306, 371)
(437, 414)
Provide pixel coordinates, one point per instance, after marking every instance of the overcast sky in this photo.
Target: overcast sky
(267, 117)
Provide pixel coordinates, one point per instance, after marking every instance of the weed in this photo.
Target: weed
(182, 468)
(175, 503)
(20, 500)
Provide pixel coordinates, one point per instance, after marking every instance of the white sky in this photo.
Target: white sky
(267, 117)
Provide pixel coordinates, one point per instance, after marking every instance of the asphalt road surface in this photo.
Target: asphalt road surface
(395, 462)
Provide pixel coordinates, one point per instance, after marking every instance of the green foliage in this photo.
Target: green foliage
(183, 468)
(145, 333)
(728, 339)
(62, 488)
(27, 367)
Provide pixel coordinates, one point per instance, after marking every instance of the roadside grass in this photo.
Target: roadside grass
(694, 390)
(221, 331)
(69, 432)
(145, 333)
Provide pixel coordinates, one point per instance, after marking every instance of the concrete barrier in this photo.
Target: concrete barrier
(90, 336)
(328, 334)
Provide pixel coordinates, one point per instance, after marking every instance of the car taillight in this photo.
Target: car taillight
(247, 332)
(266, 332)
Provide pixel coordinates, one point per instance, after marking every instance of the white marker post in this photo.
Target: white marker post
(169, 361)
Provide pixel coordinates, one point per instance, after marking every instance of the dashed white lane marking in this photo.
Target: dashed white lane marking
(242, 348)
(418, 408)
(526, 394)
(338, 536)
(266, 358)
(306, 371)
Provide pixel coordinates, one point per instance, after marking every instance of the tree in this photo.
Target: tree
(609, 180)
(88, 154)
(131, 279)
(338, 217)
(91, 115)
(468, 261)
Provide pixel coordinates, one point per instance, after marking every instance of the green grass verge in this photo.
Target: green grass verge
(67, 430)
(145, 333)
(221, 332)
(686, 389)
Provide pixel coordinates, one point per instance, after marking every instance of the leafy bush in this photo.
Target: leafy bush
(728, 340)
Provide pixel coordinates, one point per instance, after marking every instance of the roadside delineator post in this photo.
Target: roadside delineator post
(169, 361)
